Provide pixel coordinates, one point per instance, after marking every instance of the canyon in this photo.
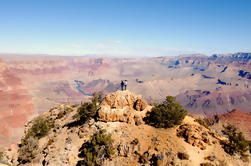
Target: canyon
(204, 85)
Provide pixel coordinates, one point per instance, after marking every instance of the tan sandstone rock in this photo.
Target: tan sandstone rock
(140, 105)
(123, 106)
(195, 135)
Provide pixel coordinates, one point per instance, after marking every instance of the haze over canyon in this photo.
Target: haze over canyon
(204, 85)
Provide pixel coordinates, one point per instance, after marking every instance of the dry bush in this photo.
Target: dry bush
(28, 150)
(29, 144)
(96, 150)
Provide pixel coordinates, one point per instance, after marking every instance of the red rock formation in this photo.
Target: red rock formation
(240, 119)
(16, 108)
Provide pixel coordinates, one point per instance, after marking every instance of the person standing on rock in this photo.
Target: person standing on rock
(125, 84)
(122, 85)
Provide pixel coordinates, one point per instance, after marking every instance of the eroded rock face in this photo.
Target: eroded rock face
(120, 99)
(139, 105)
(123, 106)
(195, 135)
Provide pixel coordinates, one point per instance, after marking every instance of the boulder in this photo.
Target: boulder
(120, 99)
(195, 135)
(123, 106)
(139, 105)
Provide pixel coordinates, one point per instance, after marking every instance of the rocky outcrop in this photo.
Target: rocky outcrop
(121, 99)
(139, 105)
(123, 106)
(136, 145)
(196, 135)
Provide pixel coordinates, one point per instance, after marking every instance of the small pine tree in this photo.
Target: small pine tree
(40, 128)
(237, 142)
(88, 110)
(166, 114)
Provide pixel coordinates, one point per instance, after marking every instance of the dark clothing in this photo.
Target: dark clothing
(122, 85)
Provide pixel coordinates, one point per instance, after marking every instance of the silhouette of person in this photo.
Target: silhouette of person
(125, 84)
(122, 85)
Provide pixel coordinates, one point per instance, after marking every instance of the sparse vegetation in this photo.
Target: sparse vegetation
(29, 144)
(166, 114)
(88, 110)
(204, 122)
(28, 150)
(97, 98)
(236, 143)
(64, 112)
(96, 150)
(85, 112)
(40, 128)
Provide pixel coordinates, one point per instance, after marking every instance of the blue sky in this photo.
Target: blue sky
(125, 27)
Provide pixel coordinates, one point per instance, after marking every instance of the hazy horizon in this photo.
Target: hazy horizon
(113, 55)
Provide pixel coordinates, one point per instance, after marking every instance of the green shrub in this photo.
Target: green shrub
(40, 128)
(166, 114)
(96, 150)
(97, 98)
(88, 110)
(236, 144)
(29, 144)
(204, 122)
(64, 112)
